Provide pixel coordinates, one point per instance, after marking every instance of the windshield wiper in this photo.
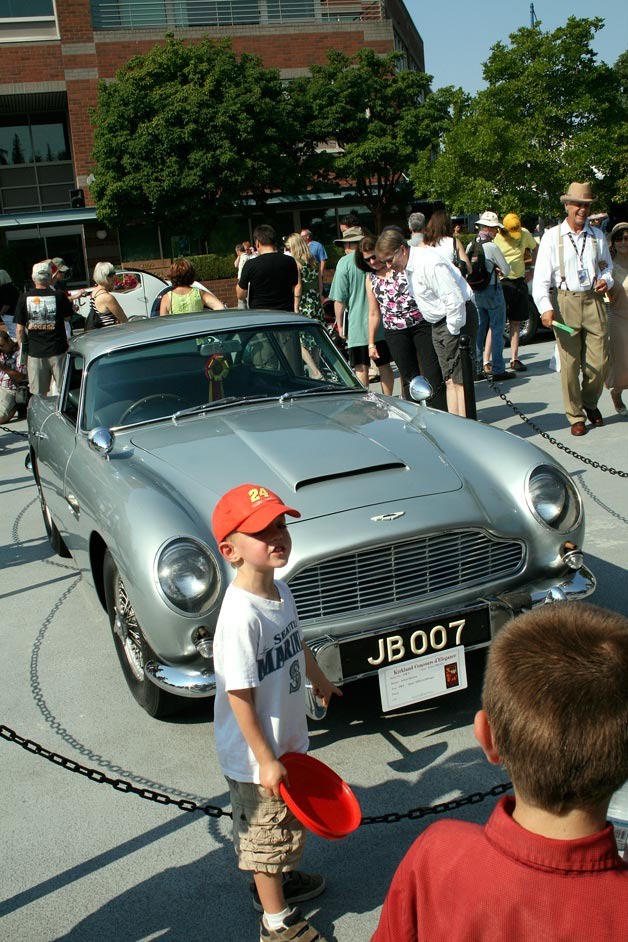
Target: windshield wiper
(329, 388)
(208, 406)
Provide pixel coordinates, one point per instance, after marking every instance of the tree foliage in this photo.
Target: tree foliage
(377, 116)
(187, 129)
(551, 114)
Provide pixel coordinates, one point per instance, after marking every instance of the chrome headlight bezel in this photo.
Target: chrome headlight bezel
(566, 514)
(167, 554)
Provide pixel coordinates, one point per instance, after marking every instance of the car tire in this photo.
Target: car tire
(54, 537)
(131, 646)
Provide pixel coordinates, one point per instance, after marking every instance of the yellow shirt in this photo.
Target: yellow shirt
(514, 250)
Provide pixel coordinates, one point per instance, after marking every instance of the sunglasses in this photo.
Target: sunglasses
(371, 258)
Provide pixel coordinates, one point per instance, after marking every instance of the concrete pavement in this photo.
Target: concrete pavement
(83, 862)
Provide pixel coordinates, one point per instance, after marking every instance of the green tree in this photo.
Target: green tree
(187, 130)
(551, 113)
(380, 117)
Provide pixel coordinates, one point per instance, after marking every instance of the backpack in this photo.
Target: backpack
(480, 276)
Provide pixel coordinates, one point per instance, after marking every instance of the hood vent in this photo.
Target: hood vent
(354, 472)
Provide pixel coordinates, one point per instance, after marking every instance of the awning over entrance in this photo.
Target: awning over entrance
(52, 217)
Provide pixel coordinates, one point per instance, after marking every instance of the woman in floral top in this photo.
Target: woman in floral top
(408, 336)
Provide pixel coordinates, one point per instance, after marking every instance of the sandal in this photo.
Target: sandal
(518, 366)
(295, 929)
(488, 368)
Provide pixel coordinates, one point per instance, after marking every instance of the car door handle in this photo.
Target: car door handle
(73, 504)
(41, 435)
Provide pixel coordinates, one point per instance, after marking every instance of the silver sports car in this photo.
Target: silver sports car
(421, 533)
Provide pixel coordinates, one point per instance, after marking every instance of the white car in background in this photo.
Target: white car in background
(136, 291)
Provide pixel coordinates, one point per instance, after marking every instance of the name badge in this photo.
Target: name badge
(583, 278)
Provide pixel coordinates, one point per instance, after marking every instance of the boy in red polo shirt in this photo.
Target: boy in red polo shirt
(545, 867)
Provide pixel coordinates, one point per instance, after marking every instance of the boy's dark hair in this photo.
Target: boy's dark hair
(556, 696)
(265, 235)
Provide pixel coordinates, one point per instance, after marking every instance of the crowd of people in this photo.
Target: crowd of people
(401, 298)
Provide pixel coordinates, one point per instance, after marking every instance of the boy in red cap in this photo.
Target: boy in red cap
(261, 662)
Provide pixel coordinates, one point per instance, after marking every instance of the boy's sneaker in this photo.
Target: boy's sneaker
(297, 888)
(295, 929)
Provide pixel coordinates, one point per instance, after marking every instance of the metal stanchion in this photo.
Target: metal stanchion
(466, 363)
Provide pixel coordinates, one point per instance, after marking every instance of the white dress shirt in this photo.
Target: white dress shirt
(433, 282)
(547, 268)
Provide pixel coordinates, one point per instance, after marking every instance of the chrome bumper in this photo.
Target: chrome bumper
(193, 683)
(184, 682)
(575, 585)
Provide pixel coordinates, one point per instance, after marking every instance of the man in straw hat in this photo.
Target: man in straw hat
(574, 258)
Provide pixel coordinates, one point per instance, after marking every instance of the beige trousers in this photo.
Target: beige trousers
(585, 352)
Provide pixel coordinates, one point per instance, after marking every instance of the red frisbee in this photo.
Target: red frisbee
(319, 798)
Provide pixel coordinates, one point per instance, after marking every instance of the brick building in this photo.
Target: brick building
(54, 53)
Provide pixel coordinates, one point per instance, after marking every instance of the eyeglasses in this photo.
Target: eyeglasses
(390, 261)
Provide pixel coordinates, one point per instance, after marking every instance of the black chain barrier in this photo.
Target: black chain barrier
(553, 441)
(213, 811)
(12, 431)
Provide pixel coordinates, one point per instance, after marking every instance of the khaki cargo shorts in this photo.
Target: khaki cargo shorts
(267, 838)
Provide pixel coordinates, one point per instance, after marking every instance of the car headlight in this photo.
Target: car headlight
(187, 575)
(553, 498)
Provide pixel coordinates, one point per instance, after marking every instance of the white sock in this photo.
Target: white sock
(275, 920)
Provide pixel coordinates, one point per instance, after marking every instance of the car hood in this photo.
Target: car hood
(327, 453)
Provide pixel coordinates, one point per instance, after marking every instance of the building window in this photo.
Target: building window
(131, 14)
(27, 21)
(36, 171)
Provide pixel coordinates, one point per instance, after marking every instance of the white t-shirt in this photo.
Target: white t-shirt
(258, 644)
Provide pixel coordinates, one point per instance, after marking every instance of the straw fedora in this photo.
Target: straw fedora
(578, 193)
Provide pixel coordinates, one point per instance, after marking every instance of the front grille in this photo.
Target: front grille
(402, 572)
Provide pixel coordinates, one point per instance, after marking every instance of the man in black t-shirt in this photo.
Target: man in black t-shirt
(41, 314)
(271, 280)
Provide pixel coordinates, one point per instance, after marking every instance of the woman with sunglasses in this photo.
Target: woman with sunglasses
(617, 379)
(408, 336)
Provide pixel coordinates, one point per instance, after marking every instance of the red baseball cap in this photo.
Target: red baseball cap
(248, 508)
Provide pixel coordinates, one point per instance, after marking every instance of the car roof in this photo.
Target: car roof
(94, 343)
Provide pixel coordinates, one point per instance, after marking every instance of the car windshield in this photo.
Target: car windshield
(155, 381)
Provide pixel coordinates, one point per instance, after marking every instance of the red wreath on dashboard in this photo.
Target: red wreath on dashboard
(216, 370)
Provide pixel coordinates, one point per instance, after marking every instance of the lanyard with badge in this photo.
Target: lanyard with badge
(583, 276)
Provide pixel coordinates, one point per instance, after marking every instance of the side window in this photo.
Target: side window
(70, 404)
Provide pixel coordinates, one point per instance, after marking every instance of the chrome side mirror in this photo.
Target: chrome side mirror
(420, 390)
(100, 440)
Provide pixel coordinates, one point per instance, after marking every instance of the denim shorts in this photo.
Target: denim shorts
(267, 838)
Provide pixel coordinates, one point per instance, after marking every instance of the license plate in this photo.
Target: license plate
(370, 653)
(424, 678)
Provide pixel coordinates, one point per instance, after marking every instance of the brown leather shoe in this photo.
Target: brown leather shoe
(578, 428)
(594, 416)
